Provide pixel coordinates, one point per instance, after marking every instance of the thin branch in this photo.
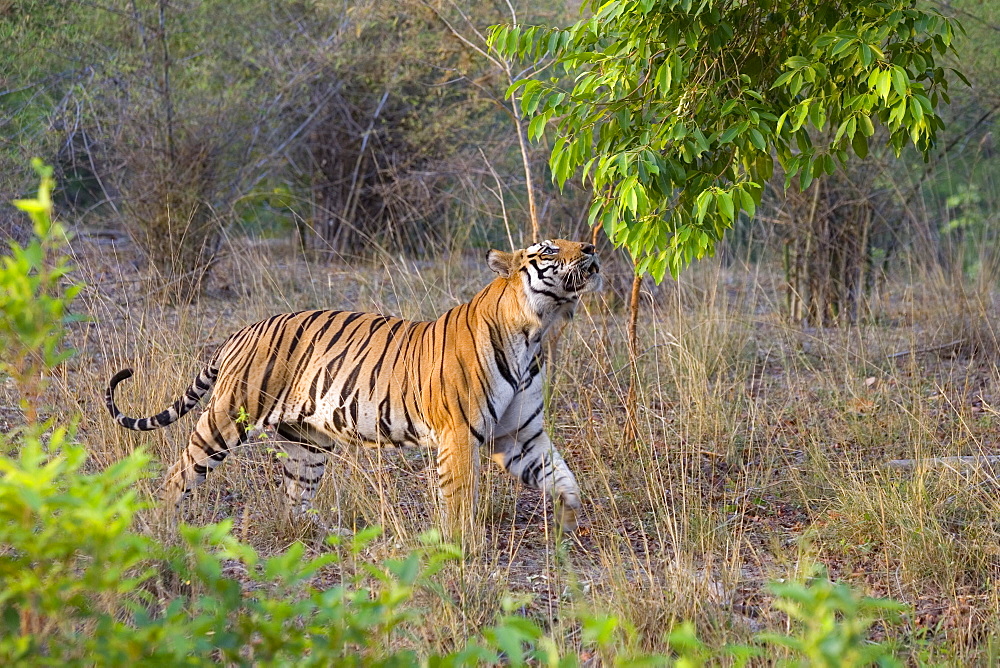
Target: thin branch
(352, 194)
(166, 84)
(953, 463)
(499, 195)
(932, 349)
(514, 109)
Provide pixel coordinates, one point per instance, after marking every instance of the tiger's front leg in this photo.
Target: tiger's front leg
(527, 453)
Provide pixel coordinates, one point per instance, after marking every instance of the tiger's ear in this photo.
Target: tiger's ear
(500, 262)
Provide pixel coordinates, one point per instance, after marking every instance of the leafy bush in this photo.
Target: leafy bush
(832, 623)
(33, 296)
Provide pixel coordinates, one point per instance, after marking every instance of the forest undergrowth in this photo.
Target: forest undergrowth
(763, 448)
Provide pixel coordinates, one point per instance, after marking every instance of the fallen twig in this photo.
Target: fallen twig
(971, 461)
(932, 349)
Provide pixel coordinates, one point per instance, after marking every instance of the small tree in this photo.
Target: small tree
(677, 108)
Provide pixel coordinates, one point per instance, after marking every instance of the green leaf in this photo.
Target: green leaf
(801, 114)
(747, 203)
(702, 203)
(842, 45)
(900, 82)
(866, 126)
(805, 174)
(884, 84)
(866, 55)
(765, 166)
(729, 134)
(841, 130)
(629, 198)
(783, 79)
(664, 78)
(860, 144)
(537, 127)
(725, 204)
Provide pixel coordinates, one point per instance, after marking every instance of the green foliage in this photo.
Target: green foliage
(33, 297)
(68, 549)
(78, 581)
(677, 108)
(831, 624)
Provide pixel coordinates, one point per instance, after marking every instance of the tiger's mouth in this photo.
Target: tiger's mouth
(585, 276)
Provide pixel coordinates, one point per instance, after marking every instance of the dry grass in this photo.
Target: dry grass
(760, 446)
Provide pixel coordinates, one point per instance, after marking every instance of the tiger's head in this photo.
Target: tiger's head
(554, 273)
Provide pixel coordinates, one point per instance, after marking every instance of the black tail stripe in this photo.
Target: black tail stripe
(181, 406)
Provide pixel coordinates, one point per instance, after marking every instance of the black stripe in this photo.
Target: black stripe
(348, 319)
(533, 371)
(405, 338)
(410, 429)
(273, 354)
(352, 379)
(384, 419)
(529, 476)
(251, 353)
(524, 450)
(478, 436)
(304, 359)
(528, 421)
(385, 351)
(303, 479)
(375, 326)
(443, 347)
(490, 407)
(338, 419)
(308, 320)
(296, 438)
(500, 356)
(313, 397)
(551, 295)
(333, 368)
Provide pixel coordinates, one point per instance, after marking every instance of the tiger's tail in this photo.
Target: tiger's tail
(198, 389)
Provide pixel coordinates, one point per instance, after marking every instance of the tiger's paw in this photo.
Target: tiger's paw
(569, 515)
(308, 523)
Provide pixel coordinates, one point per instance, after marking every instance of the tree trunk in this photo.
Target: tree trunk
(631, 433)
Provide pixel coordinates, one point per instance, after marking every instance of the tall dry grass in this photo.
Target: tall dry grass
(761, 446)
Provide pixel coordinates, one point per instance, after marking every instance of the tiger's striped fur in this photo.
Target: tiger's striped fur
(470, 379)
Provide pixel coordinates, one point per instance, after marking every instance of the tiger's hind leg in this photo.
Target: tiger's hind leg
(458, 477)
(306, 451)
(213, 437)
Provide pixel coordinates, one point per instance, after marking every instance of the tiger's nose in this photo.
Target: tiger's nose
(588, 249)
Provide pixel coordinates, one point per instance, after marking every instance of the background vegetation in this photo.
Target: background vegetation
(219, 162)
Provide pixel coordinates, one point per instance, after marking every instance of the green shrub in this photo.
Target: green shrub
(34, 297)
(831, 624)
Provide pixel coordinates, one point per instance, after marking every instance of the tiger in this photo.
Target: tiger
(469, 380)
